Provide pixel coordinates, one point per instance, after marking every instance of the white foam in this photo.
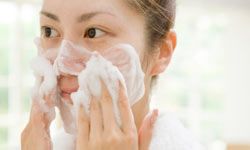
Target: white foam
(119, 64)
(46, 81)
(123, 56)
(71, 58)
(90, 80)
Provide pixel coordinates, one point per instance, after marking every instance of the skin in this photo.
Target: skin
(68, 20)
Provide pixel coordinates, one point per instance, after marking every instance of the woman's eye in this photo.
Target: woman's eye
(93, 33)
(49, 32)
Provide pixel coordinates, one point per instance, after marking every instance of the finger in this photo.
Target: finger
(50, 102)
(33, 138)
(36, 114)
(96, 125)
(146, 130)
(38, 118)
(82, 126)
(49, 117)
(107, 109)
(50, 98)
(127, 118)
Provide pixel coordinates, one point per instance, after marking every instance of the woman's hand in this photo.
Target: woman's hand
(146, 130)
(101, 132)
(36, 135)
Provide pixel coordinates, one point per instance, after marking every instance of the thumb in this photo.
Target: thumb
(146, 130)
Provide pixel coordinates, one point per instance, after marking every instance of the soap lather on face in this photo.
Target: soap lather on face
(72, 60)
(99, 26)
(117, 65)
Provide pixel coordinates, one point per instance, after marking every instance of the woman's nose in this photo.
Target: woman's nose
(71, 57)
(73, 37)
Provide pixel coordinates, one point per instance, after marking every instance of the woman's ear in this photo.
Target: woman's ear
(164, 56)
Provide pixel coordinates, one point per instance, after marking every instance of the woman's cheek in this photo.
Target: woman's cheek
(101, 43)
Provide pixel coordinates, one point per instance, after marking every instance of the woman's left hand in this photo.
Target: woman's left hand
(100, 131)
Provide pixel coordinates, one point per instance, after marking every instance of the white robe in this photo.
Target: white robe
(168, 134)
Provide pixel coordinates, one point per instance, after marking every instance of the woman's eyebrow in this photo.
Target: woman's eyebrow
(50, 15)
(83, 17)
(88, 16)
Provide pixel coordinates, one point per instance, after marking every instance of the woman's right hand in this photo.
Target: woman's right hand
(100, 131)
(36, 135)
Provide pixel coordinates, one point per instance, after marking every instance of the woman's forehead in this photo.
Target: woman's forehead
(76, 7)
(71, 12)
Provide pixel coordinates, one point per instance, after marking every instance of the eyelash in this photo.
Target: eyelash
(96, 32)
(43, 32)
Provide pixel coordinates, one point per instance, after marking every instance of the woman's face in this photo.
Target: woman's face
(94, 24)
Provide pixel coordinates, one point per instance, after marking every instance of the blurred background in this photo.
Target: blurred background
(207, 83)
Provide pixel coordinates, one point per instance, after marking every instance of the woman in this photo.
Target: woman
(147, 26)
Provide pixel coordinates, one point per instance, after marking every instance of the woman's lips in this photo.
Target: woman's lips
(67, 85)
(69, 90)
(65, 95)
(66, 98)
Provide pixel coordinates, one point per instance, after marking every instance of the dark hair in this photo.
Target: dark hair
(160, 18)
(159, 15)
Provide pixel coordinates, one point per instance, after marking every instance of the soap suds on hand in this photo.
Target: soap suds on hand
(46, 81)
(90, 81)
(119, 64)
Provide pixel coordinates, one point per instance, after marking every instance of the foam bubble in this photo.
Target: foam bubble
(119, 65)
